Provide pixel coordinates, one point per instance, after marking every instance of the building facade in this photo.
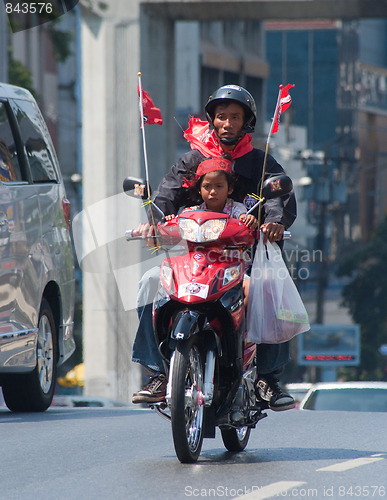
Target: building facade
(339, 72)
(339, 69)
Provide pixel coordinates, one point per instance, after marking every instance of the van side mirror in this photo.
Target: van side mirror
(276, 187)
(136, 188)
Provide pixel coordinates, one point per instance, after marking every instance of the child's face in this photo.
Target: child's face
(214, 190)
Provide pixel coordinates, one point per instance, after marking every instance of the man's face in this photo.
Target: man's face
(229, 120)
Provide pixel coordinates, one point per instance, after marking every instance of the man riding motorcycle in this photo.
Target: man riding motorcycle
(231, 113)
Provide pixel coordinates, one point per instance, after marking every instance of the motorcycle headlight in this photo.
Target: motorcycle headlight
(208, 231)
(166, 275)
(231, 273)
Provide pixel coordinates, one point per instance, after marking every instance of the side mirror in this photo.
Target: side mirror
(136, 187)
(276, 187)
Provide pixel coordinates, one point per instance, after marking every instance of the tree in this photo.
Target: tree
(365, 296)
(19, 75)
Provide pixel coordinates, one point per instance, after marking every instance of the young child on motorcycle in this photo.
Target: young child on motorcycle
(211, 186)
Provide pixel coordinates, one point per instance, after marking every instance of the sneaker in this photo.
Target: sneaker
(153, 391)
(272, 396)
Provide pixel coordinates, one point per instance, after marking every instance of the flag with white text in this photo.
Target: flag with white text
(285, 101)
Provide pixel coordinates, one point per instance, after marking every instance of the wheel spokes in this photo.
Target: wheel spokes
(45, 354)
(241, 432)
(193, 410)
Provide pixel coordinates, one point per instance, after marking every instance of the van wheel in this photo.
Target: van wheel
(34, 391)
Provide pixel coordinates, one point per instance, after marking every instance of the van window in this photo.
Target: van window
(34, 136)
(9, 162)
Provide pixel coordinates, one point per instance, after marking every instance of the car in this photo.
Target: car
(346, 396)
(298, 390)
(37, 285)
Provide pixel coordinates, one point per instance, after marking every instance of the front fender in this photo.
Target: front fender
(186, 324)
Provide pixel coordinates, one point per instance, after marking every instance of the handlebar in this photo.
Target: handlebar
(133, 234)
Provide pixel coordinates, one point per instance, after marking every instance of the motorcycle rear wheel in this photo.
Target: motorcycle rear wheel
(236, 439)
(187, 412)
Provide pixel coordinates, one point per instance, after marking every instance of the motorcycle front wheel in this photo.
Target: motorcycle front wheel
(236, 439)
(187, 410)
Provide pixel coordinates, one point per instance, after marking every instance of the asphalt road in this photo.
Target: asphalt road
(127, 453)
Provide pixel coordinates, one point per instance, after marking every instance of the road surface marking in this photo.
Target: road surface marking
(351, 464)
(271, 490)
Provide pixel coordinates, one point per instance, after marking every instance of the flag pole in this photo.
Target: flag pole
(143, 133)
(267, 151)
(145, 153)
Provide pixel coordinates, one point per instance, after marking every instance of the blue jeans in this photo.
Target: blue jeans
(270, 358)
(145, 350)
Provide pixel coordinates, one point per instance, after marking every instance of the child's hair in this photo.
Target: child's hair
(221, 164)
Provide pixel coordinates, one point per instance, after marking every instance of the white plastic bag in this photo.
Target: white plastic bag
(275, 312)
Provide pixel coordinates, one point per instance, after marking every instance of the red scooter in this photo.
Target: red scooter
(199, 324)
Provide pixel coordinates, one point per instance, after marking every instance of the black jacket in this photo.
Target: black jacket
(170, 195)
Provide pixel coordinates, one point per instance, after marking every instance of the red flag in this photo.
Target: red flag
(284, 102)
(152, 115)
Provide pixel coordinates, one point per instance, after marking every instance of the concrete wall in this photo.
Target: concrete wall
(112, 48)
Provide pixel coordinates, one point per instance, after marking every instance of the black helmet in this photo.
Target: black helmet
(239, 95)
